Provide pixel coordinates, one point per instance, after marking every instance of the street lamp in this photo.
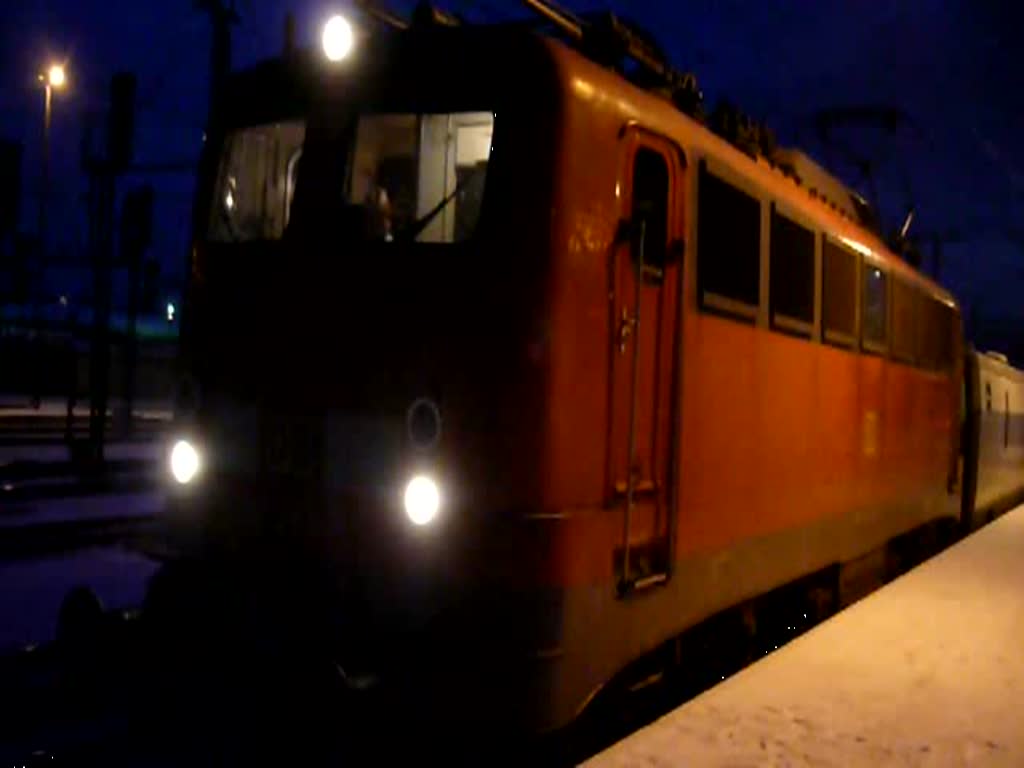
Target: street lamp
(56, 76)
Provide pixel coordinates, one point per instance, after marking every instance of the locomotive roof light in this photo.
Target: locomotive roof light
(338, 38)
(422, 500)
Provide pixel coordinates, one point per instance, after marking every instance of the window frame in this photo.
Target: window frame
(933, 306)
(444, 221)
(784, 323)
(841, 339)
(221, 229)
(914, 291)
(652, 274)
(871, 346)
(715, 303)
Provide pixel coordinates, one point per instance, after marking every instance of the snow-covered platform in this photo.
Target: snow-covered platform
(31, 591)
(33, 584)
(927, 671)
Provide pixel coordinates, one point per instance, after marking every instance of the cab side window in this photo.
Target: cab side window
(650, 211)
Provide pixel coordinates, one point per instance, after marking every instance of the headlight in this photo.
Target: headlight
(337, 38)
(185, 462)
(422, 500)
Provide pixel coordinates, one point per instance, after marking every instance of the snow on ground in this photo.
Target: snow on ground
(79, 509)
(20, 408)
(31, 591)
(928, 671)
(141, 450)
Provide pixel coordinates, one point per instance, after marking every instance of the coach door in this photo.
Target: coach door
(646, 323)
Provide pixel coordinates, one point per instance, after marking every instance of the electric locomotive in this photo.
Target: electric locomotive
(514, 366)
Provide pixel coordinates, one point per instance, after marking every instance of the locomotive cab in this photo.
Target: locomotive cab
(366, 275)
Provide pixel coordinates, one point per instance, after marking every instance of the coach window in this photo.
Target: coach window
(728, 247)
(839, 294)
(650, 206)
(904, 313)
(791, 281)
(874, 308)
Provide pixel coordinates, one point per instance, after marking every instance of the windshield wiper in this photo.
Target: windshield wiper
(416, 228)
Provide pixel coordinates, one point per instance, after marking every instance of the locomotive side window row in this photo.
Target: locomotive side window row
(863, 306)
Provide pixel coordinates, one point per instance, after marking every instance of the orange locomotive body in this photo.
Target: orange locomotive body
(659, 378)
(765, 446)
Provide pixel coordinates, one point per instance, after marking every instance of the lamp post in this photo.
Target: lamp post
(54, 78)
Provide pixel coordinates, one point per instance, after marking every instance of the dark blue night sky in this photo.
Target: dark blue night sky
(954, 66)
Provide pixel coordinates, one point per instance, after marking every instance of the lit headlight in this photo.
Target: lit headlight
(422, 500)
(185, 462)
(338, 38)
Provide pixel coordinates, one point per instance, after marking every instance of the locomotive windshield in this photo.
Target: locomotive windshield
(256, 182)
(420, 176)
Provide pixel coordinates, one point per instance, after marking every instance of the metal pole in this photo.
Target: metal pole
(630, 478)
(44, 192)
(99, 359)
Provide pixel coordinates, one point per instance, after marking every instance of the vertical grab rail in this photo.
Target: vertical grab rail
(631, 456)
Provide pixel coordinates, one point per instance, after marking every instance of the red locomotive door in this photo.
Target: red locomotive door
(645, 354)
